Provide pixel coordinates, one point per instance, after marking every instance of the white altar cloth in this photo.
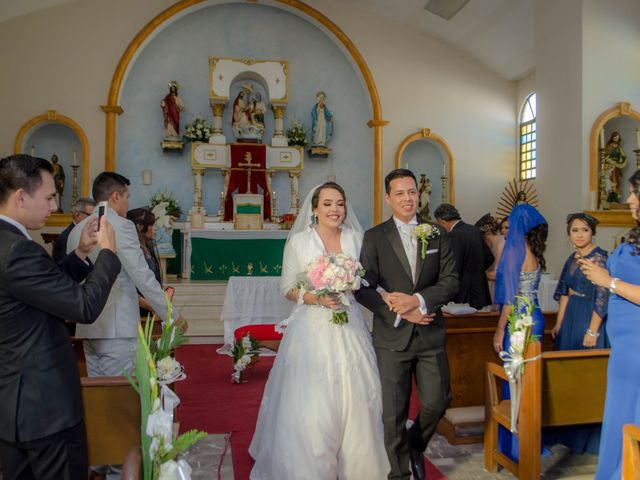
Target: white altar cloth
(249, 301)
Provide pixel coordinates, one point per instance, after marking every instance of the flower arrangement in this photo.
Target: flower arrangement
(519, 324)
(333, 274)
(244, 353)
(425, 232)
(297, 135)
(198, 130)
(159, 448)
(164, 196)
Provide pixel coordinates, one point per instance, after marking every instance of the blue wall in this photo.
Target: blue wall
(61, 140)
(181, 52)
(426, 157)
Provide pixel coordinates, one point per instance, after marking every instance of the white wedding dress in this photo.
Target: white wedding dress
(321, 412)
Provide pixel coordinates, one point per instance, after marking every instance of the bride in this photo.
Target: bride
(321, 412)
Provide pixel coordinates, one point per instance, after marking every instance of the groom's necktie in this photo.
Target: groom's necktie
(410, 247)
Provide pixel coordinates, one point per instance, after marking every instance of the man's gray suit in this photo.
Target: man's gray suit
(118, 323)
(408, 348)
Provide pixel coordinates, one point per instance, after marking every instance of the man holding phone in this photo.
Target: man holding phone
(42, 433)
(110, 342)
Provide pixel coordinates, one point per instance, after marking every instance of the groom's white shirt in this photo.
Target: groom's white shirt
(399, 224)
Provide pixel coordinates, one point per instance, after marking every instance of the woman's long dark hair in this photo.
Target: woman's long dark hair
(634, 233)
(537, 240)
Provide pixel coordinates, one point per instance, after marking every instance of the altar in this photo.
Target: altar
(220, 254)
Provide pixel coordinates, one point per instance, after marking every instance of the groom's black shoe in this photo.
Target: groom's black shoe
(417, 464)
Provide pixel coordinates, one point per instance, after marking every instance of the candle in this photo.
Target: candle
(638, 138)
(33, 150)
(444, 169)
(406, 165)
(602, 138)
(74, 161)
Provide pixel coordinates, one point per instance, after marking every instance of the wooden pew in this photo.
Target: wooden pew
(558, 388)
(469, 347)
(112, 418)
(630, 452)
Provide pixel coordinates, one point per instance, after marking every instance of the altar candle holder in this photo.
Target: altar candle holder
(74, 187)
(443, 179)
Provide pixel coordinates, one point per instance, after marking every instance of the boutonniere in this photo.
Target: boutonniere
(425, 232)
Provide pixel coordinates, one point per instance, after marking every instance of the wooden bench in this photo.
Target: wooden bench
(630, 452)
(558, 388)
(112, 417)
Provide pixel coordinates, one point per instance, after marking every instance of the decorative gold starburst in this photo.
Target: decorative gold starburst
(515, 193)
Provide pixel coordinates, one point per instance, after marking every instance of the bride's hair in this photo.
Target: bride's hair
(634, 233)
(316, 195)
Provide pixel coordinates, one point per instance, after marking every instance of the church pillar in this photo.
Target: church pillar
(279, 139)
(217, 137)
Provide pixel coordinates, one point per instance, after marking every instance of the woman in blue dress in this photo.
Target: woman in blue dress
(583, 305)
(622, 404)
(579, 325)
(518, 275)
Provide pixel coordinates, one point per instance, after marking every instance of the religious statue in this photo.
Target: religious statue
(164, 227)
(614, 160)
(58, 180)
(321, 126)
(171, 108)
(247, 118)
(424, 197)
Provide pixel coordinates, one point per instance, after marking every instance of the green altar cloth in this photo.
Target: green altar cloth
(222, 254)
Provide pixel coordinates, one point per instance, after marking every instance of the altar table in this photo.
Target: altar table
(221, 254)
(251, 300)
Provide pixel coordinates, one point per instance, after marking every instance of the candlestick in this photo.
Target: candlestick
(74, 187)
(602, 138)
(444, 169)
(33, 150)
(74, 160)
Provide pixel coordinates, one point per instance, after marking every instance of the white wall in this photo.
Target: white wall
(74, 49)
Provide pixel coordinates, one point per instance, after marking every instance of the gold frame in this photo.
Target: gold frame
(112, 109)
(427, 134)
(607, 218)
(52, 116)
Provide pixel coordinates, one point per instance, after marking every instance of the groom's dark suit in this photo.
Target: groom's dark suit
(408, 348)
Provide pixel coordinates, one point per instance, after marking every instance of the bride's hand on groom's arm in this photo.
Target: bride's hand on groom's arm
(401, 303)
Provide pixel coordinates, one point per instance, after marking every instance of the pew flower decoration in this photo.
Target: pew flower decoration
(244, 352)
(425, 232)
(519, 324)
(198, 130)
(159, 448)
(333, 274)
(168, 369)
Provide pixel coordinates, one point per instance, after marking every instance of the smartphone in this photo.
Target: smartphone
(102, 209)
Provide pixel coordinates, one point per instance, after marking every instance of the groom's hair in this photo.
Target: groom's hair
(398, 173)
(315, 199)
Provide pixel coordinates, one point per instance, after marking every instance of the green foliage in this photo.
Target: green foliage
(173, 206)
(297, 135)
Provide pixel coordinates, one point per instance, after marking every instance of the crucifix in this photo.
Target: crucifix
(249, 165)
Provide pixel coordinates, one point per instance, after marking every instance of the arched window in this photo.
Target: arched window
(527, 137)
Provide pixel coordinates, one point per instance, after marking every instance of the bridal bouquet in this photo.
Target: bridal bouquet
(333, 274)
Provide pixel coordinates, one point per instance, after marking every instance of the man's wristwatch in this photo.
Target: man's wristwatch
(612, 285)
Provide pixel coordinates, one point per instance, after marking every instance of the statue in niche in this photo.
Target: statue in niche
(321, 126)
(424, 197)
(247, 119)
(614, 161)
(58, 180)
(171, 107)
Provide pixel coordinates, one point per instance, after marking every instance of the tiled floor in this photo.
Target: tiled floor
(466, 462)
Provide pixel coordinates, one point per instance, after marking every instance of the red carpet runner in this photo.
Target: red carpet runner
(211, 403)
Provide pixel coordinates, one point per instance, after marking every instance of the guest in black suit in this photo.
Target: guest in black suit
(83, 208)
(472, 256)
(405, 292)
(42, 433)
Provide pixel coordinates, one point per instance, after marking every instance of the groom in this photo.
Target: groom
(405, 294)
